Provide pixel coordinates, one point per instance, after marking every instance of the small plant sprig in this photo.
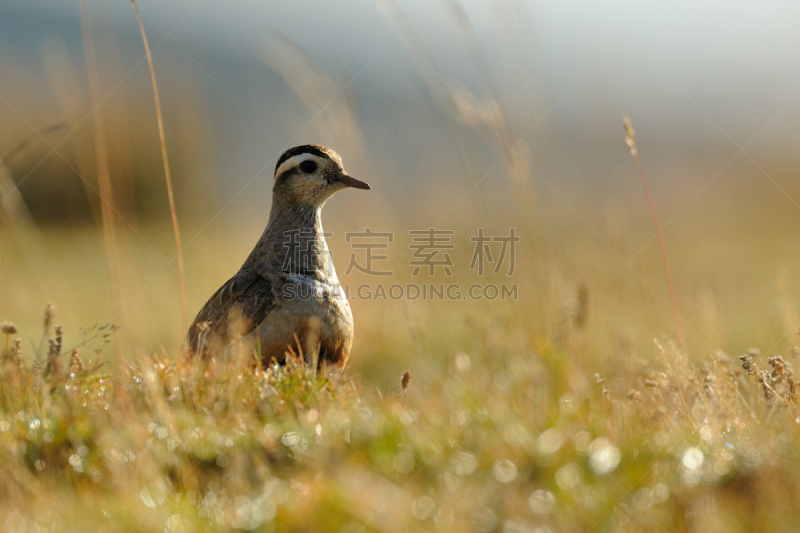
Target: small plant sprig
(8, 329)
(777, 384)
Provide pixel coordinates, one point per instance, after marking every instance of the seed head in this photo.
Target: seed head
(405, 379)
(49, 311)
(75, 363)
(630, 136)
(9, 328)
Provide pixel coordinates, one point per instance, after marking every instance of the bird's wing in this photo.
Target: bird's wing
(240, 305)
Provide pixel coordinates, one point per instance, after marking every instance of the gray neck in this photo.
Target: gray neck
(293, 241)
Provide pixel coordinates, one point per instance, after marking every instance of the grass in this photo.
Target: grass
(223, 445)
(630, 140)
(167, 173)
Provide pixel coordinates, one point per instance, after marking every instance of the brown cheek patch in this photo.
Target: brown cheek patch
(284, 177)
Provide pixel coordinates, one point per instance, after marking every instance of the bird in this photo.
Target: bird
(286, 296)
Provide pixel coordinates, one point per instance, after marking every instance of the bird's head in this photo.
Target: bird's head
(310, 174)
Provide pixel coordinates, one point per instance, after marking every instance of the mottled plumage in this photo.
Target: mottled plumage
(287, 289)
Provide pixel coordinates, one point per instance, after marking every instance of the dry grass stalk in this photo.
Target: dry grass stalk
(630, 140)
(167, 174)
(53, 353)
(440, 93)
(8, 329)
(49, 311)
(106, 189)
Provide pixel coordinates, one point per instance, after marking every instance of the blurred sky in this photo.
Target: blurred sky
(700, 80)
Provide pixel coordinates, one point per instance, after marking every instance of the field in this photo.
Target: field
(515, 437)
(515, 418)
(562, 395)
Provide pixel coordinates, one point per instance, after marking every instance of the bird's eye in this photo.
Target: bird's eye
(308, 167)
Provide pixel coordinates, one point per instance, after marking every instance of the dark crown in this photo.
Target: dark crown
(313, 149)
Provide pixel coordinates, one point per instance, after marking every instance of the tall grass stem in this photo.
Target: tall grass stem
(103, 169)
(630, 139)
(167, 174)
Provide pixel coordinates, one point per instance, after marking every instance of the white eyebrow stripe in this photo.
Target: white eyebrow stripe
(294, 161)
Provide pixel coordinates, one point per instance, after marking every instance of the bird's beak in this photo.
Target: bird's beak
(350, 181)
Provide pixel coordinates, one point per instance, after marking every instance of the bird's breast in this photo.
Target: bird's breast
(317, 312)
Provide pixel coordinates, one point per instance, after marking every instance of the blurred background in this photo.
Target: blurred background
(461, 115)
